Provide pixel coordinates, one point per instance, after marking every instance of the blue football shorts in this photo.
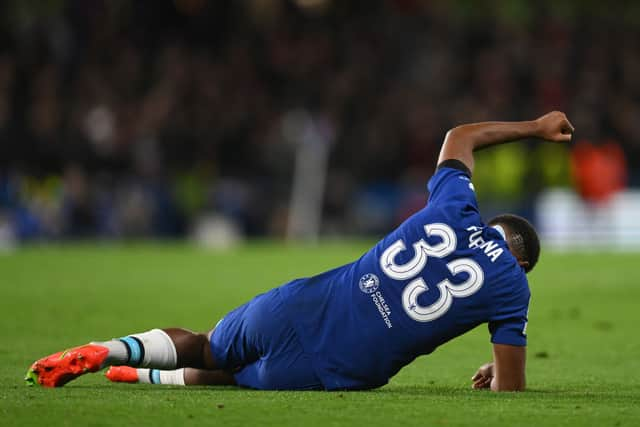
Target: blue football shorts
(257, 342)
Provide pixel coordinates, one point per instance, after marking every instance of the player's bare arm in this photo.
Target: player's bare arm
(460, 142)
(507, 371)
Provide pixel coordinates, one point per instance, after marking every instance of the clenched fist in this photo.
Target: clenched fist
(554, 127)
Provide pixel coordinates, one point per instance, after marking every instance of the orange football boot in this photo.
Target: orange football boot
(60, 368)
(122, 374)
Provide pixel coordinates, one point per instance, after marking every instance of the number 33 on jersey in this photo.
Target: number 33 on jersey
(414, 267)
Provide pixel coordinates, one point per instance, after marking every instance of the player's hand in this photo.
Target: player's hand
(554, 127)
(483, 377)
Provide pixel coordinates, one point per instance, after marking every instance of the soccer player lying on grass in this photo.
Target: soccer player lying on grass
(438, 275)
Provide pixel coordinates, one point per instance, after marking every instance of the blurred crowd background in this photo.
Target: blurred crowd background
(138, 118)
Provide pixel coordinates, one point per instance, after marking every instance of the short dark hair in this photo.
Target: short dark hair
(523, 239)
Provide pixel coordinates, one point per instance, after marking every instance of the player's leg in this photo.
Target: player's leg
(242, 337)
(169, 348)
(193, 349)
(204, 377)
(184, 376)
(160, 349)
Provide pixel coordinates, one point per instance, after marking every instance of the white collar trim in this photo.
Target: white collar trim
(500, 230)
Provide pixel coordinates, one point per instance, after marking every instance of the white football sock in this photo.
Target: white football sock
(159, 350)
(151, 349)
(157, 376)
(118, 354)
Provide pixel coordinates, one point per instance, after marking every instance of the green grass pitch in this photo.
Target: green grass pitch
(584, 345)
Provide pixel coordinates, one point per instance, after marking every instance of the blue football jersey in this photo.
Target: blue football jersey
(438, 275)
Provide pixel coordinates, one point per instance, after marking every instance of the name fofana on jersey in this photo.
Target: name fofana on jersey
(489, 247)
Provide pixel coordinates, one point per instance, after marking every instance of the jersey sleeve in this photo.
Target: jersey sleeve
(452, 185)
(510, 326)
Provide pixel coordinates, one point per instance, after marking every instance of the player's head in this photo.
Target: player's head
(521, 237)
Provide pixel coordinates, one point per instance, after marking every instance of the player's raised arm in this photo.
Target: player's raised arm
(507, 371)
(460, 142)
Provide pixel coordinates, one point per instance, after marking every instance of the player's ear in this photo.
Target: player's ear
(524, 264)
